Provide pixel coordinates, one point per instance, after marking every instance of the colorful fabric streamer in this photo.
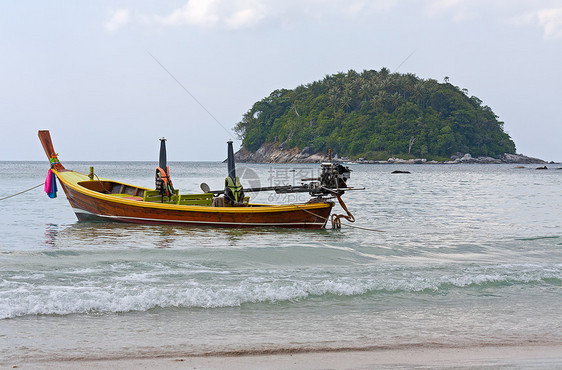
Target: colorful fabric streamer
(51, 184)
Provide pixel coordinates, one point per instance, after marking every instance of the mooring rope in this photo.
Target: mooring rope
(21, 192)
(102, 184)
(346, 225)
(336, 219)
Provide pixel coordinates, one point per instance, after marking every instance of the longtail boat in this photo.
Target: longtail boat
(100, 199)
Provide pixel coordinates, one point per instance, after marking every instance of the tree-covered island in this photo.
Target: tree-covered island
(375, 115)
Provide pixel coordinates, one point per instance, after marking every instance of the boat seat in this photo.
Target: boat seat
(205, 199)
(154, 196)
(126, 196)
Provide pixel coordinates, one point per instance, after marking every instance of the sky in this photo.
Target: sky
(110, 78)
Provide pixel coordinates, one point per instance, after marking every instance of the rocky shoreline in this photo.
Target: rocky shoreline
(275, 153)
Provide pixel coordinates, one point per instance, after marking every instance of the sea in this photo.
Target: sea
(450, 256)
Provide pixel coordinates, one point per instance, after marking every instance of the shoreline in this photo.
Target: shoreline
(345, 161)
(523, 355)
(403, 161)
(273, 153)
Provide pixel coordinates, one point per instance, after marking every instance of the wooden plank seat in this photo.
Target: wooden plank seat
(154, 196)
(126, 196)
(204, 199)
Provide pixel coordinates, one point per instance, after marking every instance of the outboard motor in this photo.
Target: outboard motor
(334, 176)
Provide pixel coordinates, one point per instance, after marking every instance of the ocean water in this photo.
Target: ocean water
(456, 255)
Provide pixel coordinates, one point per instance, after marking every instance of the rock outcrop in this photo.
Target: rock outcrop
(276, 153)
(519, 158)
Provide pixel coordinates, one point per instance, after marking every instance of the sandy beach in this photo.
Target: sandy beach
(527, 356)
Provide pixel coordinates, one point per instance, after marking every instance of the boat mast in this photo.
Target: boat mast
(230, 161)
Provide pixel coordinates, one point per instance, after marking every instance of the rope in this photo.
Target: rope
(347, 225)
(101, 183)
(364, 228)
(336, 219)
(21, 192)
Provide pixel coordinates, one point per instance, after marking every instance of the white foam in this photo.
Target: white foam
(144, 290)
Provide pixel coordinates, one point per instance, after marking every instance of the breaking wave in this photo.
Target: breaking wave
(101, 292)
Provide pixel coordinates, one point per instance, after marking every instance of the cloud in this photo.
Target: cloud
(346, 8)
(246, 17)
(242, 14)
(549, 19)
(441, 6)
(233, 14)
(118, 19)
(247, 14)
(194, 12)
(551, 22)
(459, 10)
(354, 7)
(230, 14)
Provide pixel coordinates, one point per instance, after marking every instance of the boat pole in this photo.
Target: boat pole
(162, 158)
(230, 161)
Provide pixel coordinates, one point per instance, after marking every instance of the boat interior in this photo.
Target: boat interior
(129, 192)
(113, 188)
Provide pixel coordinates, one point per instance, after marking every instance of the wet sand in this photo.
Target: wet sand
(527, 356)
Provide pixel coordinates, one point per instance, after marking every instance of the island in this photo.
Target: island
(375, 117)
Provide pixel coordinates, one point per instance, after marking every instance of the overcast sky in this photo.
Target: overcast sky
(83, 69)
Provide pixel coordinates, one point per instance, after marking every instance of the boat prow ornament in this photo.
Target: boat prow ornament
(96, 198)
